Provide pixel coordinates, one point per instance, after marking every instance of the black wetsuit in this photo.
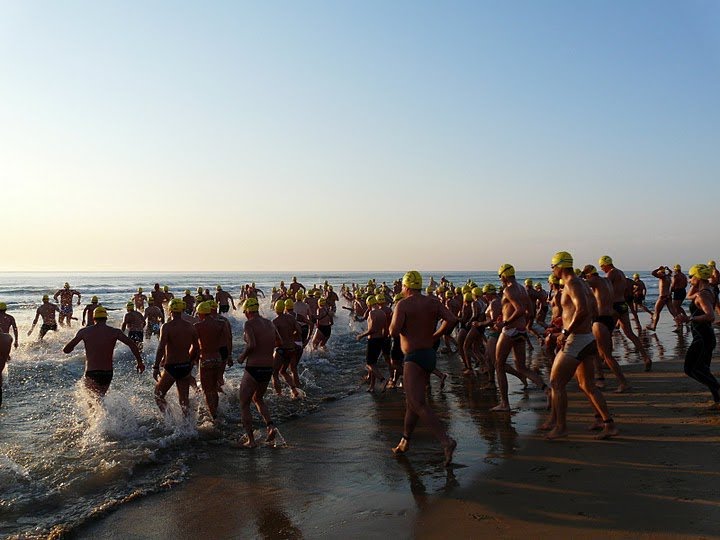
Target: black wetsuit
(698, 355)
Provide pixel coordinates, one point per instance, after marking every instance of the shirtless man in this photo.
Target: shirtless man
(662, 273)
(6, 323)
(139, 299)
(678, 287)
(157, 296)
(286, 353)
(513, 335)
(639, 294)
(620, 308)
(376, 333)
(415, 322)
(465, 315)
(47, 311)
(5, 345)
(189, 300)
(604, 322)
(213, 340)
(260, 339)
(323, 319)
(475, 338)
(177, 352)
(541, 304)
(714, 282)
(66, 303)
(224, 299)
(100, 340)
(87, 317)
(295, 286)
(154, 317)
(578, 348)
(302, 314)
(134, 322)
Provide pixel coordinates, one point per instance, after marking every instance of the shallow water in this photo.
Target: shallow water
(64, 457)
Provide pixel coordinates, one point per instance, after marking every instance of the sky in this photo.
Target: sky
(357, 135)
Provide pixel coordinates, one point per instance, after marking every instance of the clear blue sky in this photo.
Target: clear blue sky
(357, 135)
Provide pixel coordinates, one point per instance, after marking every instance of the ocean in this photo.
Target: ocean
(65, 458)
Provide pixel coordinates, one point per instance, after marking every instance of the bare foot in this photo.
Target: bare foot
(597, 425)
(467, 372)
(271, 433)
(556, 433)
(547, 426)
(402, 446)
(624, 387)
(384, 385)
(449, 449)
(609, 430)
(502, 407)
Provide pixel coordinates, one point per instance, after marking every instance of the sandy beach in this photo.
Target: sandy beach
(338, 478)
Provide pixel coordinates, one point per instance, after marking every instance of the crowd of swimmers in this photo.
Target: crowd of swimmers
(408, 323)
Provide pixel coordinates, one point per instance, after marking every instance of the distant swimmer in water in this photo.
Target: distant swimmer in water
(621, 310)
(7, 322)
(295, 286)
(577, 351)
(177, 353)
(66, 303)
(224, 299)
(100, 340)
(134, 322)
(213, 339)
(260, 341)
(47, 311)
(702, 315)
(415, 322)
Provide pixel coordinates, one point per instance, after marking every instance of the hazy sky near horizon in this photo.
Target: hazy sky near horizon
(357, 135)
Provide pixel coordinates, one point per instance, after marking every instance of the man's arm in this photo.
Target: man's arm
(67, 349)
(195, 347)
(37, 316)
(79, 296)
(124, 324)
(55, 296)
(87, 308)
(13, 324)
(160, 353)
(398, 321)
(449, 321)
(249, 344)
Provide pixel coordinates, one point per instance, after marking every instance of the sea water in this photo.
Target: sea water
(65, 457)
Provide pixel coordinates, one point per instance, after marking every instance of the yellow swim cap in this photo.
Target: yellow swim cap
(251, 305)
(506, 270)
(398, 297)
(458, 290)
(67, 285)
(3, 306)
(130, 306)
(289, 304)
(318, 294)
(46, 298)
(371, 301)
(177, 305)
(430, 289)
(187, 291)
(553, 280)
(489, 289)
(204, 308)
(380, 298)
(528, 281)
(466, 289)
(449, 294)
(467, 297)
(636, 276)
(562, 259)
(166, 288)
(701, 271)
(605, 260)
(477, 291)
(279, 306)
(711, 264)
(100, 313)
(412, 280)
(94, 300)
(139, 289)
(677, 267)
(589, 270)
(218, 288)
(322, 302)
(538, 285)
(300, 295)
(199, 290)
(213, 304)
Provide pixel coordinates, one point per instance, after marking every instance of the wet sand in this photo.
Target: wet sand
(659, 478)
